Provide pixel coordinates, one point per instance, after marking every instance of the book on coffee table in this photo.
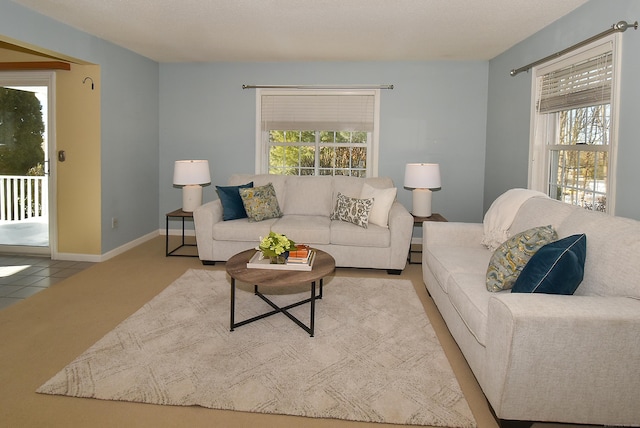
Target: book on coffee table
(257, 262)
(300, 256)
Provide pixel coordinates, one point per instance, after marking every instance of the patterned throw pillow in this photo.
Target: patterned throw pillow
(352, 210)
(511, 256)
(260, 202)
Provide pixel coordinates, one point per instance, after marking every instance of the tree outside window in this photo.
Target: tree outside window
(338, 153)
(21, 132)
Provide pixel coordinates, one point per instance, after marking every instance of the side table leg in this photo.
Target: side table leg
(183, 231)
(166, 239)
(233, 303)
(313, 308)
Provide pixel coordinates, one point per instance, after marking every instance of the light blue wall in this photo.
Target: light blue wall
(510, 100)
(129, 120)
(435, 113)
(471, 117)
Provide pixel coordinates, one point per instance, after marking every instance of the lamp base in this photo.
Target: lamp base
(191, 197)
(421, 203)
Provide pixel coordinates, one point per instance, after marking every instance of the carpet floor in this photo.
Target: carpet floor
(374, 358)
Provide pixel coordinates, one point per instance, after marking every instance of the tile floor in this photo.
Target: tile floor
(24, 276)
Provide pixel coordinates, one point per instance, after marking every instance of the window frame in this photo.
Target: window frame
(262, 137)
(540, 152)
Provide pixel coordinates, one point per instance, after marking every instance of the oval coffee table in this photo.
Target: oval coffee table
(237, 268)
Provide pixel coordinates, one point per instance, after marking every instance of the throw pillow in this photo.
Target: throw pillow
(557, 268)
(232, 206)
(352, 210)
(260, 202)
(508, 260)
(382, 201)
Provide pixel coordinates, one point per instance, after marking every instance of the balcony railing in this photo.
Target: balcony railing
(23, 197)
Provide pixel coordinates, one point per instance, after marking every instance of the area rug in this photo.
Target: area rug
(374, 357)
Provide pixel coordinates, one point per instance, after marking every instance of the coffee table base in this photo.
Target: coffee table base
(277, 309)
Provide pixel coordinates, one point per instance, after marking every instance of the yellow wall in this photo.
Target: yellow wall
(78, 177)
(78, 194)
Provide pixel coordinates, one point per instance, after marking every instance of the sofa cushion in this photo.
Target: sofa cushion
(556, 268)
(611, 267)
(511, 256)
(352, 186)
(241, 230)
(304, 229)
(382, 201)
(443, 261)
(348, 234)
(308, 196)
(260, 202)
(232, 206)
(352, 210)
(278, 182)
(471, 301)
(537, 211)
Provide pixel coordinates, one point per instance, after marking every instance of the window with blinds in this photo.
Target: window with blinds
(573, 144)
(587, 83)
(303, 132)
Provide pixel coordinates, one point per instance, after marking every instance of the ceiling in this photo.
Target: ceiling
(309, 30)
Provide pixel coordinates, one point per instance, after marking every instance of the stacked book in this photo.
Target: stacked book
(301, 255)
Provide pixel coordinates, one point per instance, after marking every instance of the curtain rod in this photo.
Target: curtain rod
(619, 27)
(318, 86)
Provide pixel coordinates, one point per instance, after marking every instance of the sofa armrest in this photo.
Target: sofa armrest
(567, 358)
(451, 234)
(204, 217)
(401, 229)
(399, 216)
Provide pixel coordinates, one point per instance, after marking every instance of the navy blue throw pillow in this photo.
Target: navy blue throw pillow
(556, 268)
(232, 206)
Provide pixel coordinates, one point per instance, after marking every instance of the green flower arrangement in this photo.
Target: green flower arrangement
(275, 245)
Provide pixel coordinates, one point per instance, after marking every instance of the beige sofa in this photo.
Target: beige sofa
(307, 203)
(545, 357)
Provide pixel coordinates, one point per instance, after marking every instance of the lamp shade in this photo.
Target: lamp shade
(189, 172)
(422, 176)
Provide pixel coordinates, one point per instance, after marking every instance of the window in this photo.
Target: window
(574, 116)
(317, 132)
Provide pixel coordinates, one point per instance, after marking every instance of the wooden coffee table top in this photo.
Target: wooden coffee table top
(236, 266)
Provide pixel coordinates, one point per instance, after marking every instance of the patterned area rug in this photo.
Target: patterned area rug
(374, 357)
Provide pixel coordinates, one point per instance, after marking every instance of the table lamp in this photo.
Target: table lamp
(191, 175)
(422, 177)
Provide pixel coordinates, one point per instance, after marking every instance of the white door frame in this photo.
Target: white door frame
(41, 78)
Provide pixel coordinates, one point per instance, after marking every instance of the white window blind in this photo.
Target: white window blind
(582, 84)
(318, 112)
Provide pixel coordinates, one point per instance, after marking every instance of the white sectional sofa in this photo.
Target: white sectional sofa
(307, 203)
(546, 357)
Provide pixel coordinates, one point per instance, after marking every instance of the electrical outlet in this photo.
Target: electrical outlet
(114, 222)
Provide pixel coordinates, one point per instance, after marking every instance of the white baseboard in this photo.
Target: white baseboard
(177, 232)
(72, 257)
(108, 255)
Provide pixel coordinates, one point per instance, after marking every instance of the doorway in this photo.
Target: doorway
(26, 142)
